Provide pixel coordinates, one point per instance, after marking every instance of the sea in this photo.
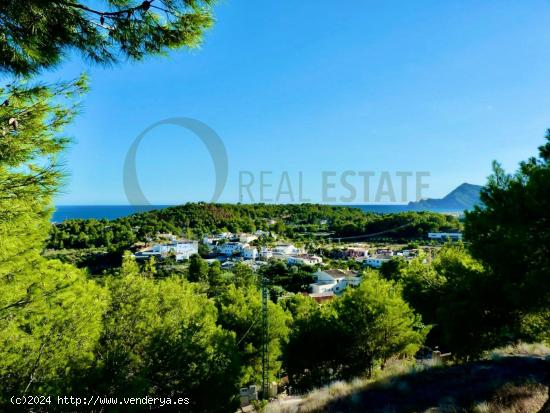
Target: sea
(65, 212)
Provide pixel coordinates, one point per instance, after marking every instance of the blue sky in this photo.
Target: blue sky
(444, 87)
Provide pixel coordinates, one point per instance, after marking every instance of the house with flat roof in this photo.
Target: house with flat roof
(230, 248)
(181, 250)
(442, 236)
(376, 261)
(303, 259)
(286, 249)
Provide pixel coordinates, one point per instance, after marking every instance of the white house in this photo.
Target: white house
(266, 253)
(286, 249)
(230, 248)
(250, 253)
(182, 250)
(212, 240)
(377, 260)
(335, 281)
(408, 253)
(453, 236)
(303, 259)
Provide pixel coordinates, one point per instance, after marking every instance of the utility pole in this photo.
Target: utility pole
(265, 341)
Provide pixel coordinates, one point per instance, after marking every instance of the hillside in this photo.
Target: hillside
(512, 384)
(295, 221)
(463, 197)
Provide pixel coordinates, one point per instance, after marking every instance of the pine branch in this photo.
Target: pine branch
(143, 6)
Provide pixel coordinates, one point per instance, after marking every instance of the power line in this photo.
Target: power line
(248, 331)
(372, 234)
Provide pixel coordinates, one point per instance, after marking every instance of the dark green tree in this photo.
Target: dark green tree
(198, 269)
(240, 311)
(313, 354)
(353, 334)
(37, 34)
(215, 278)
(510, 234)
(244, 275)
(160, 338)
(49, 312)
(376, 324)
(391, 270)
(510, 231)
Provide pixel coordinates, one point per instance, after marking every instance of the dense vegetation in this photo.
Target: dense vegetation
(352, 335)
(173, 330)
(195, 331)
(294, 221)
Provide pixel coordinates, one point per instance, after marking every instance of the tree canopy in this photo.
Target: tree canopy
(510, 232)
(37, 34)
(353, 334)
(50, 313)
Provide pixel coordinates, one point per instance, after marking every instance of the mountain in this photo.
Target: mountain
(465, 196)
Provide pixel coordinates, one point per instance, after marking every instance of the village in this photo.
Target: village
(253, 250)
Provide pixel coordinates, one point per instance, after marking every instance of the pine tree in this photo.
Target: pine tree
(240, 311)
(160, 338)
(198, 269)
(38, 34)
(49, 312)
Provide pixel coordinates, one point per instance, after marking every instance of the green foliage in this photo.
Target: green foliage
(91, 233)
(160, 338)
(376, 324)
(466, 305)
(422, 288)
(50, 320)
(49, 312)
(391, 270)
(61, 333)
(150, 267)
(300, 306)
(498, 295)
(300, 222)
(39, 34)
(215, 278)
(293, 279)
(510, 232)
(403, 225)
(313, 355)
(244, 275)
(353, 334)
(198, 269)
(455, 294)
(240, 311)
(535, 327)
(95, 260)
